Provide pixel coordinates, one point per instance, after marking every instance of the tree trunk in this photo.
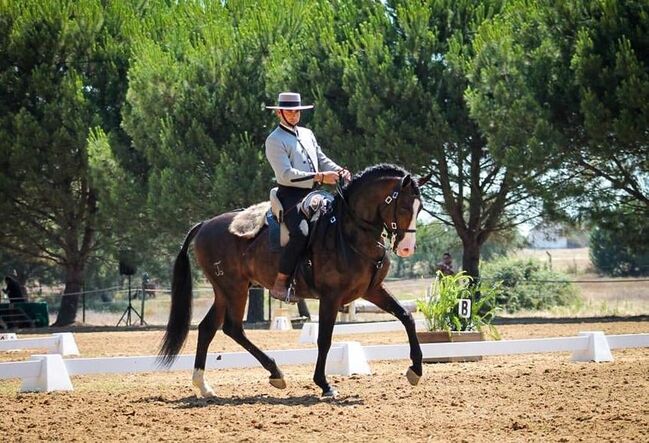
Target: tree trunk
(69, 303)
(399, 271)
(471, 257)
(22, 277)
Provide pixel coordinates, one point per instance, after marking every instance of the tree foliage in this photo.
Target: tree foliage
(389, 79)
(195, 105)
(121, 123)
(62, 74)
(619, 243)
(566, 85)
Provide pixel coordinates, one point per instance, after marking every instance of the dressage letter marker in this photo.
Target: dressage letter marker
(464, 308)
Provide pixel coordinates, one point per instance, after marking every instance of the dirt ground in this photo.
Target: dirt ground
(513, 398)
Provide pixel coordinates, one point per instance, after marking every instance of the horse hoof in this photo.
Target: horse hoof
(330, 394)
(412, 377)
(279, 383)
(208, 394)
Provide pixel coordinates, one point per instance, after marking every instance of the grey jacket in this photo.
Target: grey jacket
(296, 156)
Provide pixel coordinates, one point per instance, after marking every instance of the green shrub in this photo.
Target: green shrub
(529, 285)
(441, 309)
(619, 244)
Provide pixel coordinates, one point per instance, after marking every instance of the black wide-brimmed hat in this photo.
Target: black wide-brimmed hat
(290, 101)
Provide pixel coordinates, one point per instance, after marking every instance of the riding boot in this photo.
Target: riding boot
(280, 289)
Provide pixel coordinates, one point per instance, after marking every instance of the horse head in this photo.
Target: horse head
(399, 215)
(390, 201)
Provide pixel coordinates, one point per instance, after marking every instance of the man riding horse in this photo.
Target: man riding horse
(300, 166)
(348, 253)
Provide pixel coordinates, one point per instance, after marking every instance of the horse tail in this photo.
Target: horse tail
(180, 313)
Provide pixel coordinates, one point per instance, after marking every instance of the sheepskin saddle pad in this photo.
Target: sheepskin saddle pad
(249, 222)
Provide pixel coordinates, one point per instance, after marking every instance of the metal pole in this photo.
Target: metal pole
(128, 308)
(143, 297)
(83, 306)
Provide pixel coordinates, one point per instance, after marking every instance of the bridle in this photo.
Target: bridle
(390, 230)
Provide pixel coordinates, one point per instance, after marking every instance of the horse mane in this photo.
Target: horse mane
(372, 173)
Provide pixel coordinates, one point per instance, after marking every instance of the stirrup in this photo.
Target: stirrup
(290, 297)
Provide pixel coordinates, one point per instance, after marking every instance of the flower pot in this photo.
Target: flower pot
(454, 337)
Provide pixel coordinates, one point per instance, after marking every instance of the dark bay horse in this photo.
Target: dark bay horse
(349, 262)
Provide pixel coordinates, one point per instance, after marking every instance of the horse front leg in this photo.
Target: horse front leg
(327, 312)
(384, 300)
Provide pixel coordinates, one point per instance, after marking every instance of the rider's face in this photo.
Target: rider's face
(288, 117)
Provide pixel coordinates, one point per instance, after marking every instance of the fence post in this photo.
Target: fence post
(83, 306)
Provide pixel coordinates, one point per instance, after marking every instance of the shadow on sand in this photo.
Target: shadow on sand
(302, 400)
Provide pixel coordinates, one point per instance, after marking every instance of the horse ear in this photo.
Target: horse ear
(406, 180)
(421, 181)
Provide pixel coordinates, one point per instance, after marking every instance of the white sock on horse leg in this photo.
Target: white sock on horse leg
(198, 380)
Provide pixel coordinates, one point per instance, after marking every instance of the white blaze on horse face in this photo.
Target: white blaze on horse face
(406, 246)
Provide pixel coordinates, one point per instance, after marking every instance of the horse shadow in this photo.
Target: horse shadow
(301, 400)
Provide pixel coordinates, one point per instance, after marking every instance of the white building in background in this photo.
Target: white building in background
(550, 236)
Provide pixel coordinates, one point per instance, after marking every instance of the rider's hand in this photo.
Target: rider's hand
(329, 177)
(344, 173)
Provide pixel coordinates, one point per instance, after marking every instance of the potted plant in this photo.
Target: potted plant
(444, 322)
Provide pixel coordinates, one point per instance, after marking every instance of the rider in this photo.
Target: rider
(299, 166)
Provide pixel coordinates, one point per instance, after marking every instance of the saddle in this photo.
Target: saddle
(249, 222)
(313, 206)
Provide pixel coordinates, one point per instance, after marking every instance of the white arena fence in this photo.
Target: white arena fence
(309, 332)
(59, 343)
(361, 306)
(52, 372)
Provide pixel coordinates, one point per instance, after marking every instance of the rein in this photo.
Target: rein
(391, 228)
(345, 243)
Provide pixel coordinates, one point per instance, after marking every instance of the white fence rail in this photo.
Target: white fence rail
(60, 343)
(309, 332)
(51, 372)
(361, 306)
(627, 341)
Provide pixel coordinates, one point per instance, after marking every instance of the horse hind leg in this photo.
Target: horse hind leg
(206, 331)
(233, 328)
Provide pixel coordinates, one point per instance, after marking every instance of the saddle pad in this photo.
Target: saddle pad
(248, 222)
(274, 232)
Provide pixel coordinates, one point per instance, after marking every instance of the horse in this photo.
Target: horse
(349, 261)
